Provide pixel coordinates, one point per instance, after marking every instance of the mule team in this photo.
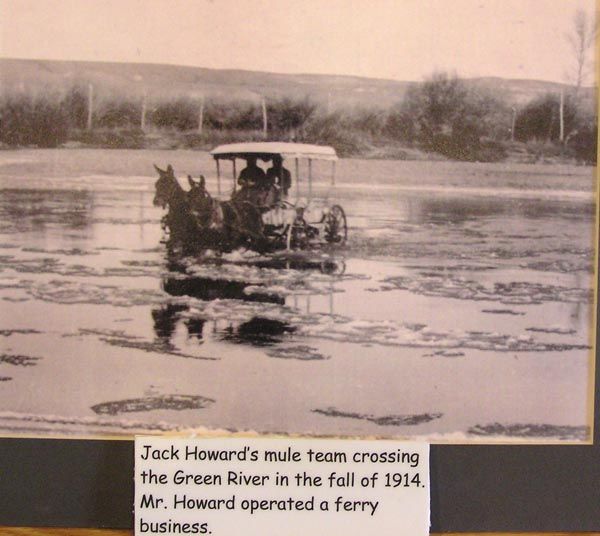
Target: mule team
(195, 218)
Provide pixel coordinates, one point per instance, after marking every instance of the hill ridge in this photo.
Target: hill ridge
(166, 79)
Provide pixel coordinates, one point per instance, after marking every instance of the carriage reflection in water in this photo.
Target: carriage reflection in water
(270, 210)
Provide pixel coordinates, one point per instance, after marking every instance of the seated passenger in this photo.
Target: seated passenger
(255, 187)
(279, 176)
(252, 176)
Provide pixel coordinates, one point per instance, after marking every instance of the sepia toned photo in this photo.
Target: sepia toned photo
(323, 218)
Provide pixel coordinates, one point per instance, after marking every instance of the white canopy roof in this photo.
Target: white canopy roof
(268, 149)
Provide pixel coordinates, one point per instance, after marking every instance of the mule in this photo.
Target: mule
(194, 218)
(178, 220)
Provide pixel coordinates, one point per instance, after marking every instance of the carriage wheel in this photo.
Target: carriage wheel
(336, 227)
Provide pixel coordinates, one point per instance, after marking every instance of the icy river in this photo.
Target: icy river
(460, 309)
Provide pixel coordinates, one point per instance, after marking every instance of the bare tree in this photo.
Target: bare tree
(581, 39)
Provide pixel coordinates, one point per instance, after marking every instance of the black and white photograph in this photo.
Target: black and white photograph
(366, 219)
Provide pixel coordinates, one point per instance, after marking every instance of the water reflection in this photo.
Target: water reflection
(302, 262)
(165, 320)
(207, 289)
(258, 331)
(195, 327)
(251, 282)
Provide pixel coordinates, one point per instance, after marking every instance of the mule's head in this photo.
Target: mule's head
(165, 186)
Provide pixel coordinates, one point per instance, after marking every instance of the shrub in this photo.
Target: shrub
(118, 114)
(369, 121)
(286, 117)
(444, 115)
(181, 114)
(75, 105)
(400, 125)
(215, 115)
(539, 120)
(585, 143)
(538, 124)
(27, 120)
(245, 116)
(330, 129)
(238, 115)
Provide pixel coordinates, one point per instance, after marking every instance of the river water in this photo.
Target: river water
(455, 313)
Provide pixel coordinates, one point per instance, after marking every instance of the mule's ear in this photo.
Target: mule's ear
(157, 168)
(191, 181)
(170, 169)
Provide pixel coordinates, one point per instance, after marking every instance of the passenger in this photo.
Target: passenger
(252, 176)
(254, 184)
(279, 175)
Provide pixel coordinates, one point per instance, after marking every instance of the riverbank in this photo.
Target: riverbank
(37, 167)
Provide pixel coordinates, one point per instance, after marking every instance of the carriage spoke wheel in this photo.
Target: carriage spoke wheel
(336, 227)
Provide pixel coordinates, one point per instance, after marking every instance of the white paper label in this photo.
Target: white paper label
(283, 487)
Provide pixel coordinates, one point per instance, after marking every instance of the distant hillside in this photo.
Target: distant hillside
(168, 80)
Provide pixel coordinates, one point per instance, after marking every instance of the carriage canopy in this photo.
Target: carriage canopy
(268, 149)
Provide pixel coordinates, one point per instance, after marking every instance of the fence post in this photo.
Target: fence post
(201, 115)
(144, 107)
(264, 116)
(513, 123)
(561, 113)
(90, 106)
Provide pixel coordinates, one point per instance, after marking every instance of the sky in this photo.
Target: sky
(394, 39)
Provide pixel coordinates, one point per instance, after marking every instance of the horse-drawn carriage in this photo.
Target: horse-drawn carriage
(264, 211)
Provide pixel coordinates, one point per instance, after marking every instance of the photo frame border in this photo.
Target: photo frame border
(474, 488)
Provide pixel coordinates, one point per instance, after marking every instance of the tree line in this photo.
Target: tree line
(443, 115)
